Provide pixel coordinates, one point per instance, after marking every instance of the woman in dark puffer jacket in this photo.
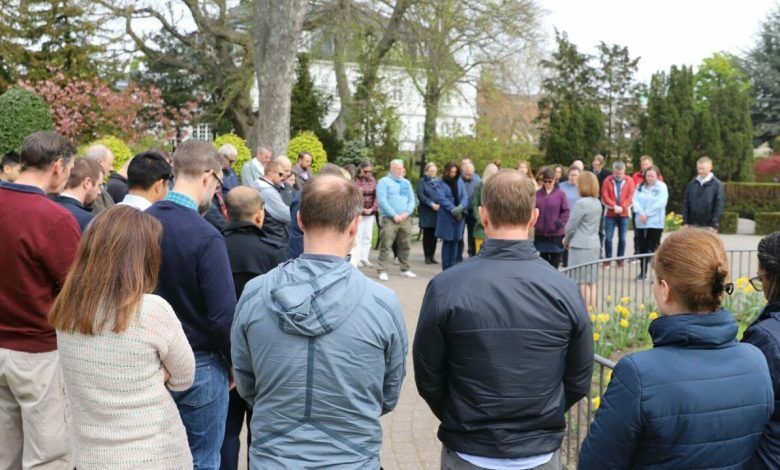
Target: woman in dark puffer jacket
(699, 399)
(764, 333)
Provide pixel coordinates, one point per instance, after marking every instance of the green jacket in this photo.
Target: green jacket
(476, 201)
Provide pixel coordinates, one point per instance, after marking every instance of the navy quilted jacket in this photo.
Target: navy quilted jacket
(764, 334)
(698, 400)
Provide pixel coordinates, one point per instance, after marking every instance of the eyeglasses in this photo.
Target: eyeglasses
(281, 173)
(756, 282)
(219, 180)
(548, 181)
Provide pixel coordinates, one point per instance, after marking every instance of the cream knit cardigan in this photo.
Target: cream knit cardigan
(120, 411)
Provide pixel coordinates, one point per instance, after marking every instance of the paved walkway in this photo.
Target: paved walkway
(410, 440)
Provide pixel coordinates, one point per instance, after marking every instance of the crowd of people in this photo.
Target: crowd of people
(145, 333)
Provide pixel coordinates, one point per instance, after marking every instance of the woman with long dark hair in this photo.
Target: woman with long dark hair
(122, 349)
(764, 333)
(428, 196)
(450, 221)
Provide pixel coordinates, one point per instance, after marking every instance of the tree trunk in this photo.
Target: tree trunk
(431, 101)
(277, 31)
(339, 125)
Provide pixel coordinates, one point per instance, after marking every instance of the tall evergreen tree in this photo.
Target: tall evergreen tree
(618, 95)
(308, 106)
(37, 35)
(762, 66)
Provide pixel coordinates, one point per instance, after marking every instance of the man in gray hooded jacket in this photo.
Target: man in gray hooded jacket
(319, 349)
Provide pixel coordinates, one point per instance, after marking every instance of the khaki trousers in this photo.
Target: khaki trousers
(390, 231)
(32, 412)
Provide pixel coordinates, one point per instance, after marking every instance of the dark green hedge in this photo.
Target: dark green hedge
(728, 223)
(21, 114)
(749, 198)
(767, 222)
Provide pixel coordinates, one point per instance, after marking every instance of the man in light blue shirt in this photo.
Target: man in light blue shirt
(396, 201)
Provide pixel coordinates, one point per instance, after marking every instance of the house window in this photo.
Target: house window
(202, 132)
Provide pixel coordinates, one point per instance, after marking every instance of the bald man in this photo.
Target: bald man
(251, 254)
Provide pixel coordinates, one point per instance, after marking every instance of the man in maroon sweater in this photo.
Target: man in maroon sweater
(40, 240)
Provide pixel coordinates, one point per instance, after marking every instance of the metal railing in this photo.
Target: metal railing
(618, 282)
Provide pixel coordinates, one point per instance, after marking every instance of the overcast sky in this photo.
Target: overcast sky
(661, 32)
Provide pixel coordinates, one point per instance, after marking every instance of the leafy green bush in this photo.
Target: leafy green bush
(149, 142)
(729, 222)
(244, 154)
(21, 114)
(481, 150)
(767, 222)
(121, 151)
(749, 198)
(307, 141)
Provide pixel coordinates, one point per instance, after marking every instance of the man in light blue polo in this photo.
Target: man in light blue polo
(395, 197)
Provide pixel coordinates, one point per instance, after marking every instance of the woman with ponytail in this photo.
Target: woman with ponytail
(699, 399)
(764, 333)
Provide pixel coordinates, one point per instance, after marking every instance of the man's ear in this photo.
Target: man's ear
(534, 217)
(484, 216)
(300, 222)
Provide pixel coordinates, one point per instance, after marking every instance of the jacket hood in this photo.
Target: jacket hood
(316, 294)
(767, 311)
(712, 330)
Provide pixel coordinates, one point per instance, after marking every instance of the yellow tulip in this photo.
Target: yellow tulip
(596, 336)
(603, 317)
(595, 403)
(592, 318)
(742, 282)
(653, 316)
(641, 306)
(607, 375)
(749, 289)
(609, 299)
(590, 308)
(624, 323)
(625, 300)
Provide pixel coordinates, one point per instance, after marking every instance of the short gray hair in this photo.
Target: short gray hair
(396, 161)
(618, 165)
(227, 150)
(98, 152)
(429, 165)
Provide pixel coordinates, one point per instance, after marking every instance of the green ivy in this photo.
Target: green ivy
(21, 114)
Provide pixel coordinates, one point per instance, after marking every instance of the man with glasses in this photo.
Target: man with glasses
(195, 278)
(277, 213)
(229, 176)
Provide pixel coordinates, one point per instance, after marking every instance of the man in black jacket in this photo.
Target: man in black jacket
(251, 254)
(504, 343)
(704, 198)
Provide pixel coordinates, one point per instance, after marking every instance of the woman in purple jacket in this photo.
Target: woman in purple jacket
(553, 215)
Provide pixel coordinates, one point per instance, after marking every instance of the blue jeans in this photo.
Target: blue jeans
(622, 225)
(203, 410)
(449, 253)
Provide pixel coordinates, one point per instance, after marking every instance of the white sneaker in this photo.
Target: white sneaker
(408, 274)
(383, 277)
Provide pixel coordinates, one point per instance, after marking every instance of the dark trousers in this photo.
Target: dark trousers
(553, 258)
(429, 242)
(649, 239)
(449, 253)
(237, 408)
(472, 246)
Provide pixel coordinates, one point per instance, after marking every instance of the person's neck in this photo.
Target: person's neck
(327, 243)
(39, 179)
(513, 233)
(148, 195)
(190, 189)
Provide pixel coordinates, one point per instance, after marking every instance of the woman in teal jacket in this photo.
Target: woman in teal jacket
(649, 207)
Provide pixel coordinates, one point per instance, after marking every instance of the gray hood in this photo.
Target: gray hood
(317, 296)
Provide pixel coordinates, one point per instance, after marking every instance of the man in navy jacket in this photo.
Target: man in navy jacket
(504, 344)
(195, 279)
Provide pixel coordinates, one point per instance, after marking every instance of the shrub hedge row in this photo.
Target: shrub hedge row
(728, 223)
(749, 198)
(767, 222)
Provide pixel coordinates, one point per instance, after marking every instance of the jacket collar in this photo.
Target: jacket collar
(714, 330)
(64, 199)
(24, 188)
(769, 309)
(508, 249)
(240, 226)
